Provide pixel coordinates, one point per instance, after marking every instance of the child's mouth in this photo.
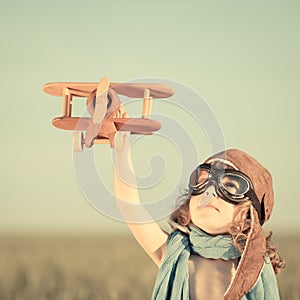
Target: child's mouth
(211, 206)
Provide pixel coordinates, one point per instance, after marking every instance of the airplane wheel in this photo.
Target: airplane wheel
(78, 141)
(120, 140)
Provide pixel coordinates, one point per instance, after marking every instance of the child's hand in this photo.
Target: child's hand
(122, 141)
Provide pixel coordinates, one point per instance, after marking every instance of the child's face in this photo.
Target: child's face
(213, 218)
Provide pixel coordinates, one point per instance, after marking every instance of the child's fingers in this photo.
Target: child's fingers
(121, 141)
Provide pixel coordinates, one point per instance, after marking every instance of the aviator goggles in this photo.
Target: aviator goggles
(231, 185)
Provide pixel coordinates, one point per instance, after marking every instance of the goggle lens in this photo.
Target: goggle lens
(234, 184)
(198, 177)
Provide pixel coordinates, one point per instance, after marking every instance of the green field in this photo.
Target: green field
(97, 267)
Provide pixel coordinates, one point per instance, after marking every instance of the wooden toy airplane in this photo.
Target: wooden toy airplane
(107, 112)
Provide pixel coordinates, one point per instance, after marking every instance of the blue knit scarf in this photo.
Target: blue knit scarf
(172, 281)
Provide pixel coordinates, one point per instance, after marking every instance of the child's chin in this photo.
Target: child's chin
(211, 230)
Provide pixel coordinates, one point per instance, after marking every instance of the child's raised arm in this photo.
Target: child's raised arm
(149, 235)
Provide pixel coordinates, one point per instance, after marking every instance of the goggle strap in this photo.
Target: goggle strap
(259, 207)
(262, 205)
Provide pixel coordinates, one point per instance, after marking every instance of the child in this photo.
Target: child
(217, 249)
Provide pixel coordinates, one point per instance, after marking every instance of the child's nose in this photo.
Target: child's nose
(209, 194)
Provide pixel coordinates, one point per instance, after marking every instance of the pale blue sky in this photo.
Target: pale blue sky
(241, 56)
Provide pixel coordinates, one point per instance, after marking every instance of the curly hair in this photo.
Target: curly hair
(239, 228)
